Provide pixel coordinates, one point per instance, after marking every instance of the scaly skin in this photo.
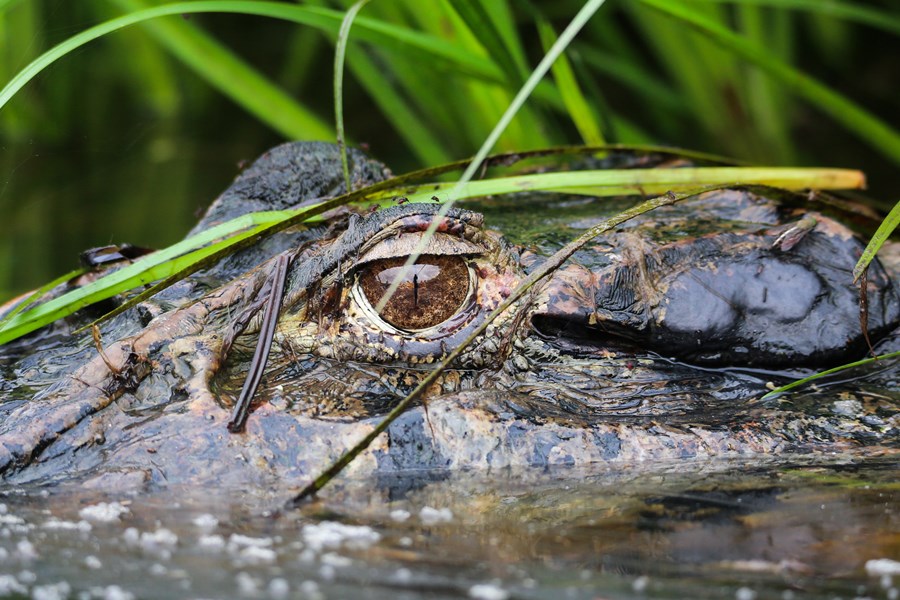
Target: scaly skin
(572, 374)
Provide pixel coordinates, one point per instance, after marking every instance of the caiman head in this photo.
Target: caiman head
(652, 342)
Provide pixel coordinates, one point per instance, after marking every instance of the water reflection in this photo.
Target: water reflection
(685, 529)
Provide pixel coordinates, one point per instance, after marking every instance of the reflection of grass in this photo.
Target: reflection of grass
(826, 373)
(868, 481)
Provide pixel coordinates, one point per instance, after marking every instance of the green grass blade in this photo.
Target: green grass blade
(578, 107)
(429, 148)
(7, 4)
(484, 29)
(37, 294)
(387, 35)
(613, 182)
(587, 11)
(765, 99)
(849, 11)
(635, 77)
(805, 380)
(694, 70)
(234, 77)
(183, 266)
(857, 120)
(340, 52)
(143, 271)
(881, 235)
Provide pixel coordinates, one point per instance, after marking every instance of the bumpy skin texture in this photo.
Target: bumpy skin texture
(592, 366)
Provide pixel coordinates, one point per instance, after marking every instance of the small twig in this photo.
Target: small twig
(538, 274)
(98, 343)
(864, 308)
(263, 345)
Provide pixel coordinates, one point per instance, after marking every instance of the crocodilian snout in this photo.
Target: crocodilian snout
(725, 300)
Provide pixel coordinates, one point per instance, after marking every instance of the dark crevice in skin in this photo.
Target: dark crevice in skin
(581, 339)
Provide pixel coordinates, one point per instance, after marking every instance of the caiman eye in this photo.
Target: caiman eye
(430, 292)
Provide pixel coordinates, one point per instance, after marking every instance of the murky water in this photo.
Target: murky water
(807, 529)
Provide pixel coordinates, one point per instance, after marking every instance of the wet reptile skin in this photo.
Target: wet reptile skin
(620, 356)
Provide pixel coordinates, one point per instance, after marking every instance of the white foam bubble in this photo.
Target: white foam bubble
(103, 512)
(332, 535)
(882, 566)
(400, 515)
(213, 543)
(279, 588)
(256, 555)
(25, 550)
(246, 584)
(488, 591)
(114, 592)
(207, 522)
(744, 593)
(9, 585)
(431, 516)
(55, 524)
(51, 591)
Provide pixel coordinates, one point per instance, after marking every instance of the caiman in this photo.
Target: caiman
(656, 341)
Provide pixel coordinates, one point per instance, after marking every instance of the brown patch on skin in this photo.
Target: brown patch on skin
(830, 227)
(98, 344)
(793, 233)
(569, 292)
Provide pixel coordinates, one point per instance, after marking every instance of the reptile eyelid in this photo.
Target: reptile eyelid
(440, 244)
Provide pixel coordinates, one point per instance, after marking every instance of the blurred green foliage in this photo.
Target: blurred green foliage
(128, 137)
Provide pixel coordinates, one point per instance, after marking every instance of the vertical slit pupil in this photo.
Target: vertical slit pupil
(430, 292)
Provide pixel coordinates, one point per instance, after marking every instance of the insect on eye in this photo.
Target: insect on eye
(430, 292)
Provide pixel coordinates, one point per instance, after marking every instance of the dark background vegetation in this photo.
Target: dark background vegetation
(123, 142)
